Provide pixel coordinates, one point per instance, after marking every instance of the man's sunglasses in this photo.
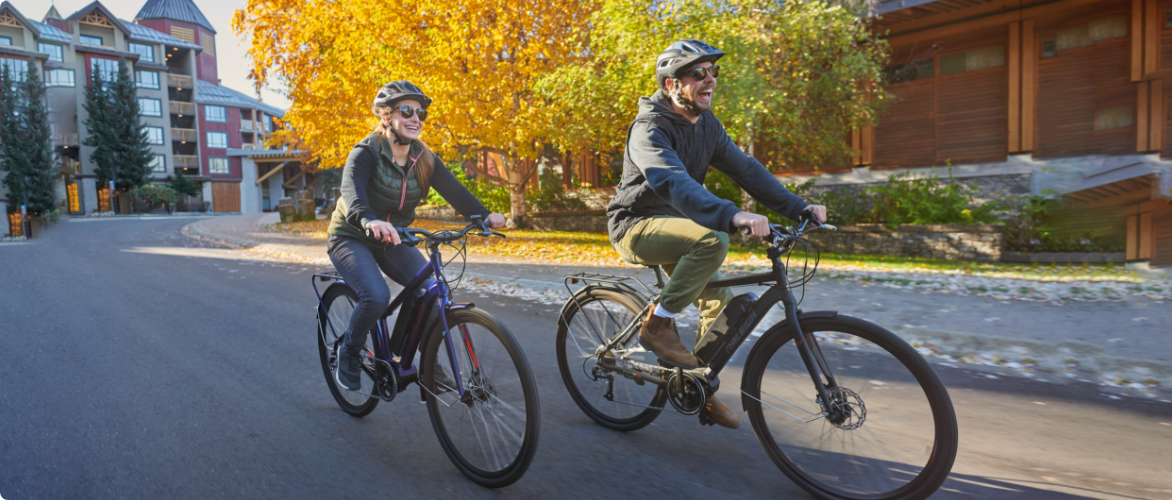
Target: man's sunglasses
(699, 73)
(408, 112)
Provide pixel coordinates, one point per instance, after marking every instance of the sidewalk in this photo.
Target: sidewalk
(1126, 342)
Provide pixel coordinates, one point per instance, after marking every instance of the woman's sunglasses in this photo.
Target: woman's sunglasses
(699, 73)
(408, 112)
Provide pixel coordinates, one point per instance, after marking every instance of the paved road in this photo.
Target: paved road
(136, 363)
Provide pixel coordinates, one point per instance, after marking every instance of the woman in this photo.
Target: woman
(386, 176)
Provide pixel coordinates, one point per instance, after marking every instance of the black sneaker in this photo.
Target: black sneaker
(349, 370)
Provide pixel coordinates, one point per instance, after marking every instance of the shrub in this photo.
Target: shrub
(549, 195)
(155, 194)
(909, 199)
(1030, 230)
(495, 198)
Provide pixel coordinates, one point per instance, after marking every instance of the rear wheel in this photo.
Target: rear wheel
(333, 318)
(490, 432)
(892, 433)
(591, 319)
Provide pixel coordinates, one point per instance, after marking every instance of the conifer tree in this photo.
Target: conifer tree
(38, 145)
(183, 185)
(13, 157)
(132, 149)
(100, 127)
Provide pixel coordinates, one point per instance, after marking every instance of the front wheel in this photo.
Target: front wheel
(892, 434)
(490, 431)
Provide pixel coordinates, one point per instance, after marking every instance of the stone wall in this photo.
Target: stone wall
(934, 241)
(589, 222)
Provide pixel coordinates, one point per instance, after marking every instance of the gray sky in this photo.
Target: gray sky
(230, 49)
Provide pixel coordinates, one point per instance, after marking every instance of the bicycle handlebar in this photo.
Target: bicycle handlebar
(410, 235)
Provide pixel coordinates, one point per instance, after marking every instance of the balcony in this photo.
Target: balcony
(248, 146)
(184, 134)
(180, 81)
(67, 140)
(186, 161)
(182, 108)
(246, 125)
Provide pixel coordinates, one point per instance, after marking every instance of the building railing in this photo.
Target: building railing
(184, 134)
(249, 146)
(186, 160)
(180, 81)
(182, 108)
(66, 140)
(245, 125)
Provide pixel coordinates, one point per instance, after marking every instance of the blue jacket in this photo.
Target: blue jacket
(664, 166)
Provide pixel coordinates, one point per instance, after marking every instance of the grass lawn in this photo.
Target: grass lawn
(569, 248)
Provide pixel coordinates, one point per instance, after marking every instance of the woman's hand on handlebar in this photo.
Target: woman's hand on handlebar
(815, 212)
(383, 231)
(496, 221)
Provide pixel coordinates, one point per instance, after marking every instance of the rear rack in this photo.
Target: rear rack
(620, 281)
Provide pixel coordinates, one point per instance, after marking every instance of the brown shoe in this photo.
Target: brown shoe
(658, 335)
(718, 412)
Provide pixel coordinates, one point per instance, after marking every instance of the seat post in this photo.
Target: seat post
(658, 277)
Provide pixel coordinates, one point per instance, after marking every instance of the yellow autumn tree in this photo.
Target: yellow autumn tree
(478, 59)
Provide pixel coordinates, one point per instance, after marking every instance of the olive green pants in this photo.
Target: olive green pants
(690, 254)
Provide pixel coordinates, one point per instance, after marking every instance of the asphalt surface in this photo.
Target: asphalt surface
(137, 363)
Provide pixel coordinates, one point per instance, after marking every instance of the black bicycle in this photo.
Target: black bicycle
(483, 407)
(847, 411)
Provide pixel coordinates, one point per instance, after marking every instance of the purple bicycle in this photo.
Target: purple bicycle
(483, 406)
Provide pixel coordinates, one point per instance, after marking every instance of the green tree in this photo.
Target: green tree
(132, 149)
(100, 126)
(37, 141)
(13, 157)
(797, 75)
(183, 185)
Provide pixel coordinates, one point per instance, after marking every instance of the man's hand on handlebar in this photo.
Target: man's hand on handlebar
(757, 224)
(383, 231)
(815, 212)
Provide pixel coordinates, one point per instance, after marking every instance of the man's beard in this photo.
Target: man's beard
(689, 104)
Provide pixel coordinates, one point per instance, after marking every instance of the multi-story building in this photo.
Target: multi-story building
(214, 135)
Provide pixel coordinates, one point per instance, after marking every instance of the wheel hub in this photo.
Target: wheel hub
(846, 409)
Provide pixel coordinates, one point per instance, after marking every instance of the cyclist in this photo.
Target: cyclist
(662, 214)
(386, 176)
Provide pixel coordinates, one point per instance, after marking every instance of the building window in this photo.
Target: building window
(1088, 34)
(218, 165)
(146, 79)
(972, 60)
(216, 114)
(1049, 46)
(218, 140)
(59, 78)
(5, 40)
(268, 124)
(159, 164)
(56, 53)
(915, 70)
(154, 135)
(92, 40)
(1106, 119)
(150, 107)
(108, 68)
(17, 68)
(146, 51)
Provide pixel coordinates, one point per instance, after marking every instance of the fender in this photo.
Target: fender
(581, 294)
(782, 327)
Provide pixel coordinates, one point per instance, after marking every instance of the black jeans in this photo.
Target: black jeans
(360, 265)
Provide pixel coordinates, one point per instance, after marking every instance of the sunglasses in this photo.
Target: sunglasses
(408, 112)
(699, 73)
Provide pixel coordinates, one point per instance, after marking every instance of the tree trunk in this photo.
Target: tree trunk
(747, 202)
(518, 206)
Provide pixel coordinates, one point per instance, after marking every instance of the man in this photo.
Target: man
(662, 214)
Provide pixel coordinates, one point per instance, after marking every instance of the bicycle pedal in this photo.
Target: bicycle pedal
(704, 419)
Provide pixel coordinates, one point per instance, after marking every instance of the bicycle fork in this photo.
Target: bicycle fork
(808, 348)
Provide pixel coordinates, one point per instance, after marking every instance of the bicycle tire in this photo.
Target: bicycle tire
(328, 337)
(486, 376)
(569, 340)
(860, 476)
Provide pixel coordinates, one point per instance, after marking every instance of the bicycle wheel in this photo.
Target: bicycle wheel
(490, 433)
(595, 316)
(896, 437)
(333, 319)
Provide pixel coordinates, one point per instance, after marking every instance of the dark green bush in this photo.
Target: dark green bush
(495, 198)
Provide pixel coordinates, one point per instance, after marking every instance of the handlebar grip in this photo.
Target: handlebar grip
(745, 230)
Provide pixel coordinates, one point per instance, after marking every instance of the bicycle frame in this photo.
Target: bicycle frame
(729, 343)
(417, 327)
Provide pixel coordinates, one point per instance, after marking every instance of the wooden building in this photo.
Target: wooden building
(1071, 97)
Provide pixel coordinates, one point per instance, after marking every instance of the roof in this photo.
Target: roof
(52, 14)
(140, 33)
(105, 12)
(210, 93)
(176, 10)
(52, 33)
(12, 9)
(279, 154)
(889, 6)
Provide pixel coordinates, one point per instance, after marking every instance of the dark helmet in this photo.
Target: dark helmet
(682, 55)
(394, 92)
